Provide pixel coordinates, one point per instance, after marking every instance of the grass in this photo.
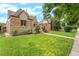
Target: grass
(35, 45)
(70, 34)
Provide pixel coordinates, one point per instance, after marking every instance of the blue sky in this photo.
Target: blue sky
(34, 9)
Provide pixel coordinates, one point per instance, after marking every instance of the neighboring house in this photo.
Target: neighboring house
(20, 22)
(45, 25)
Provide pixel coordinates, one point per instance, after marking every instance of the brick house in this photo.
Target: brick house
(45, 25)
(20, 22)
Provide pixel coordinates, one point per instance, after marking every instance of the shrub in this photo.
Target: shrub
(56, 28)
(29, 31)
(67, 28)
(74, 27)
(37, 29)
(45, 30)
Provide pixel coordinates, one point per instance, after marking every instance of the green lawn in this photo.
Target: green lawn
(34, 45)
(70, 34)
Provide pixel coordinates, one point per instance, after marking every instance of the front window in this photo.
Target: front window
(23, 22)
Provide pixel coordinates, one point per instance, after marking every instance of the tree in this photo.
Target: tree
(55, 24)
(67, 11)
(47, 7)
(70, 11)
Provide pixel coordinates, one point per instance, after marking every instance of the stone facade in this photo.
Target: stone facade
(20, 22)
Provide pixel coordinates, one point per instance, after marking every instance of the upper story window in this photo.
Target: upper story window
(23, 22)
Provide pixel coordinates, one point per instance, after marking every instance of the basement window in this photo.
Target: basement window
(23, 22)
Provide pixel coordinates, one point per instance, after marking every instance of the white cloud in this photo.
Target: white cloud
(2, 10)
(31, 12)
(41, 15)
(13, 8)
(5, 7)
(5, 10)
(37, 7)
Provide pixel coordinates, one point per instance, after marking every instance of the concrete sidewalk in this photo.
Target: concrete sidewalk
(75, 48)
(59, 35)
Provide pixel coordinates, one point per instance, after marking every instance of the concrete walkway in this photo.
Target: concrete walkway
(75, 48)
(59, 35)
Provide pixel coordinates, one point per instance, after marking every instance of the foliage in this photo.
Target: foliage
(67, 28)
(70, 12)
(37, 29)
(14, 33)
(58, 13)
(67, 11)
(45, 30)
(2, 24)
(56, 24)
(46, 10)
(29, 31)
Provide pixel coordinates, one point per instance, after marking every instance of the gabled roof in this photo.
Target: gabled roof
(17, 13)
(10, 12)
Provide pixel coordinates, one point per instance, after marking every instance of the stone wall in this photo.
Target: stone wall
(14, 24)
